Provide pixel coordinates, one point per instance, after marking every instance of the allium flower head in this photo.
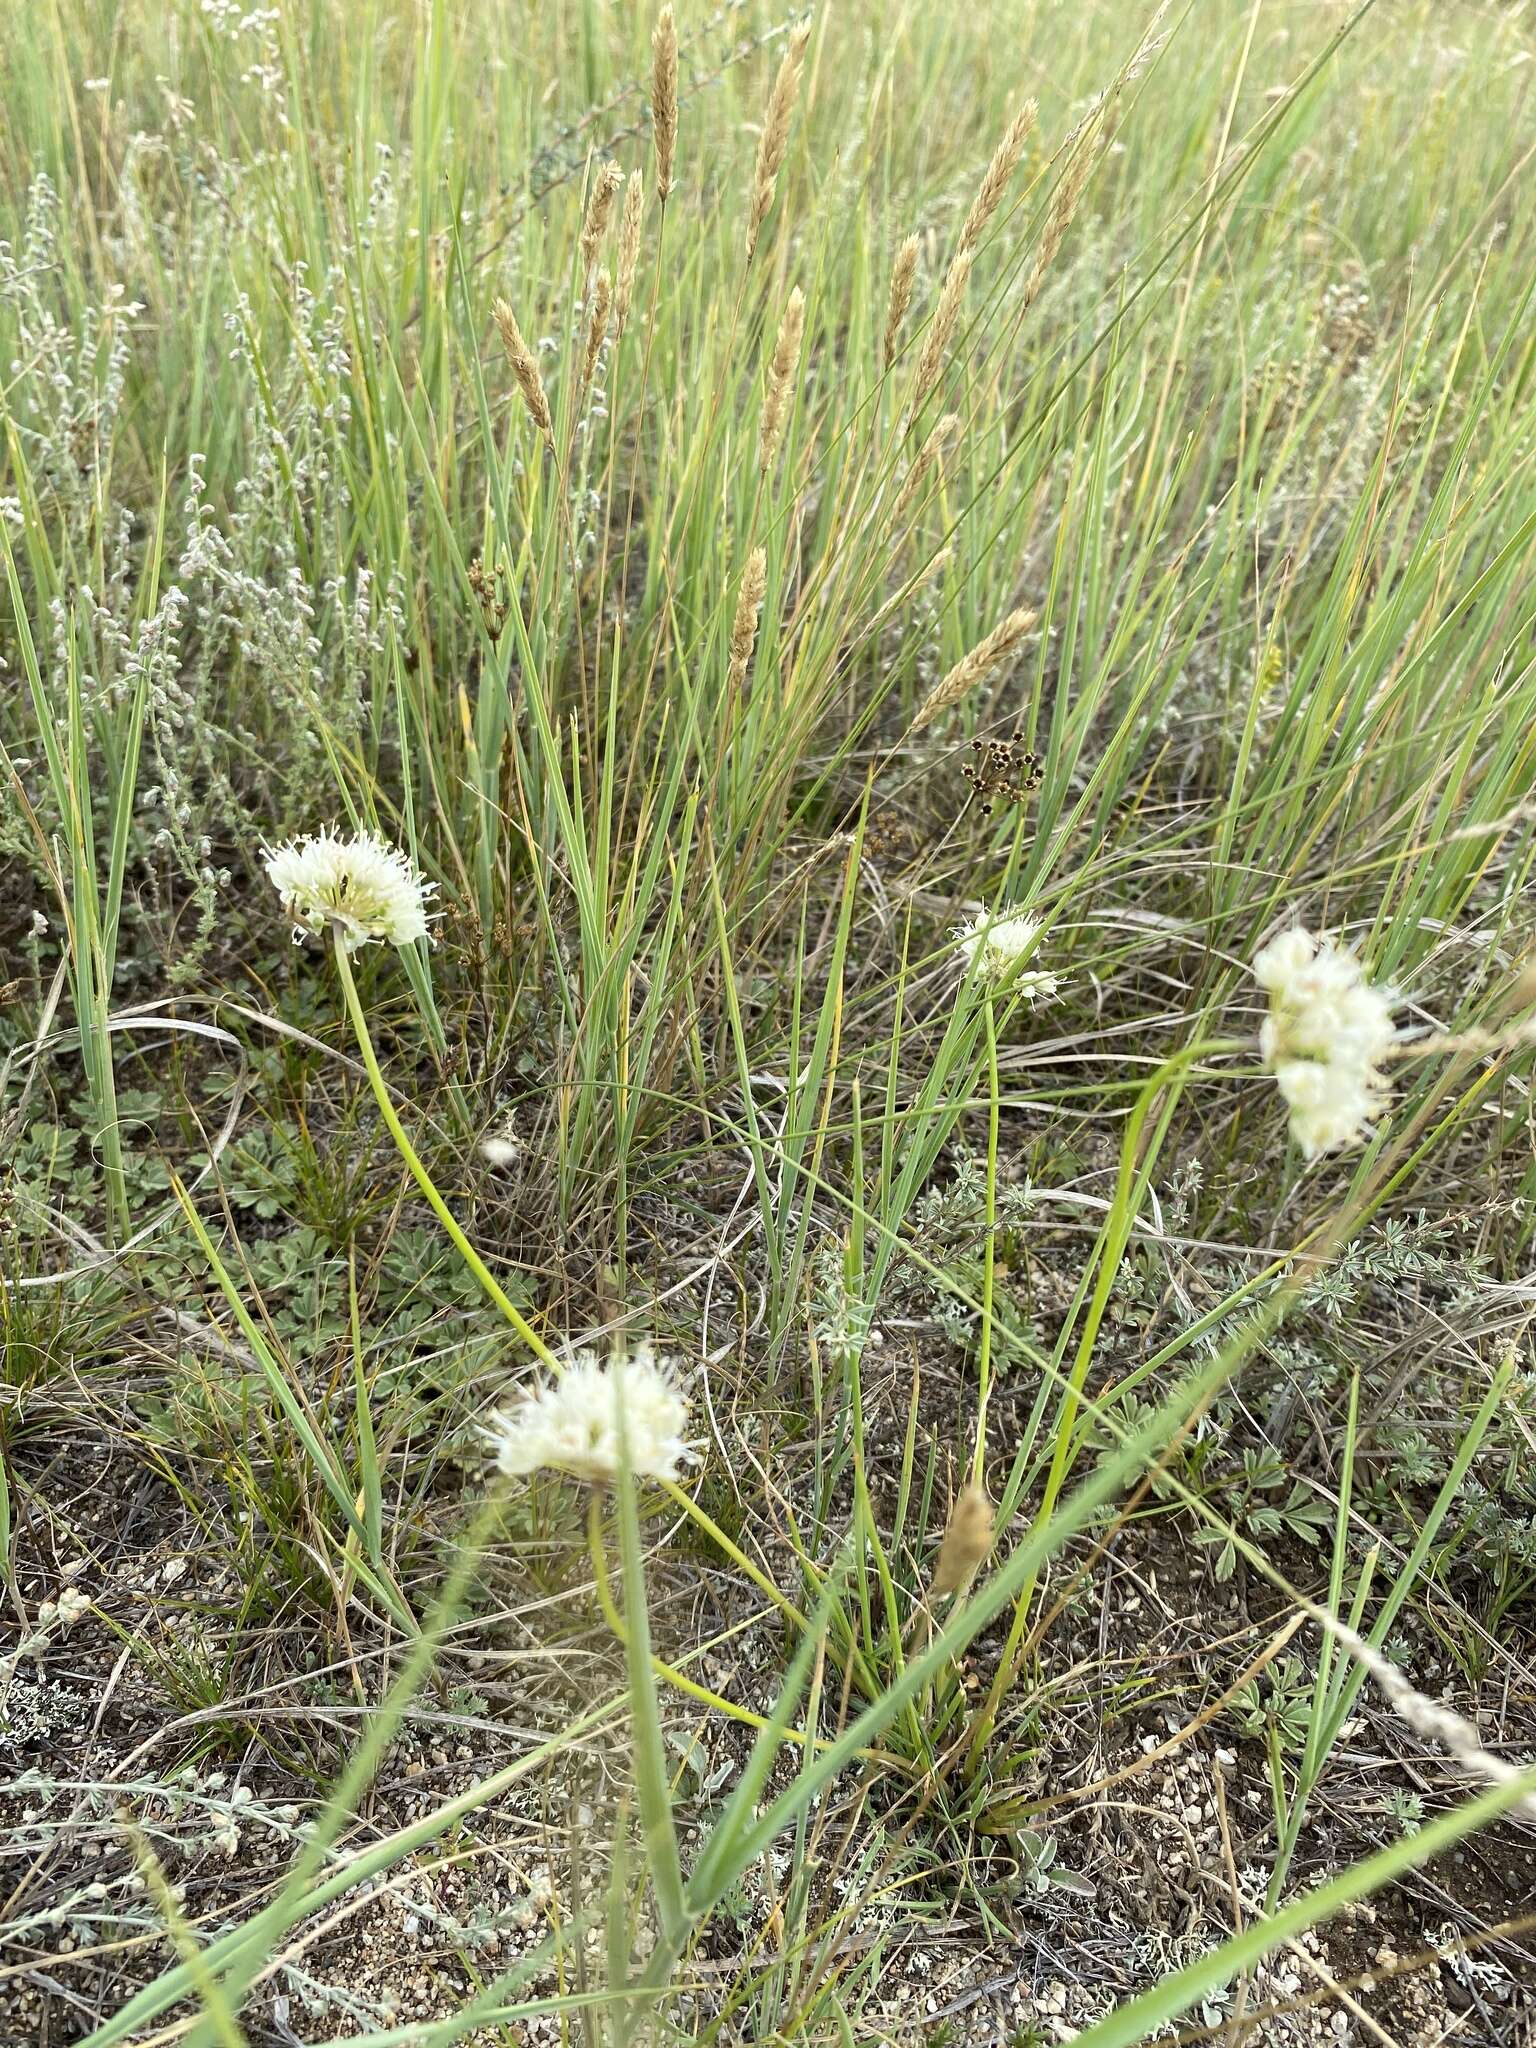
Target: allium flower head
(997, 947)
(363, 885)
(1327, 1032)
(573, 1425)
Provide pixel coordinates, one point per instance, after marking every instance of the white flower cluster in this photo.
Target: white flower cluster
(997, 947)
(1326, 1035)
(363, 885)
(583, 1423)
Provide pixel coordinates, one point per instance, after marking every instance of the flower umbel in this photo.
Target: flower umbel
(1327, 1032)
(573, 1424)
(363, 885)
(997, 947)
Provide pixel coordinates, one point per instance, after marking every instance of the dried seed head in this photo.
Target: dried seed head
(749, 599)
(903, 270)
(1090, 147)
(941, 332)
(937, 440)
(597, 325)
(1005, 160)
(524, 369)
(664, 99)
(930, 572)
(967, 1541)
(975, 667)
(781, 371)
(774, 139)
(599, 209)
(629, 248)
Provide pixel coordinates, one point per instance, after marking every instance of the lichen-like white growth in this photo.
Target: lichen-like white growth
(362, 886)
(997, 947)
(1325, 1038)
(583, 1423)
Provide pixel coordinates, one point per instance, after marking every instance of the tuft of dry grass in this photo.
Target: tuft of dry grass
(775, 136)
(975, 667)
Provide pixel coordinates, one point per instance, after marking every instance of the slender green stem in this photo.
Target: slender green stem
(419, 1173)
(988, 1254)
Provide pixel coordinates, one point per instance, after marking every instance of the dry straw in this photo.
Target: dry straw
(774, 139)
(941, 331)
(1005, 161)
(629, 249)
(903, 271)
(664, 99)
(975, 667)
(599, 212)
(524, 369)
(749, 600)
(781, 372)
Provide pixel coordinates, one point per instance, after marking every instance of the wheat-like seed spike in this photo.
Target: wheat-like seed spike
(974, 667)
(942, 433)
(749, 599)
(781, 371)
(931, 570)
(941, 332)
(629, 249)
(1432, 1719)
(597, 325)
(1063, 207)
(525, 370)
(1005, 159)
(775, 136)
(903, 270)
(967, 1541)
(599, 209)
(664, 99)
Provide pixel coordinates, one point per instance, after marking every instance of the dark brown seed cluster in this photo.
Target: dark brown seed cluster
(1001, 769)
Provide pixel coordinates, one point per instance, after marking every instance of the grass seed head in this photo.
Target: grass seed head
(664, 99)
(1005, 160)
(599, 211)
(749, 599)
(975, 667)
(629, 248)
(967, 1541)
(941, 331)
(774, 139)
(525, 370)
(781, 372)
(903, 271)
(597, 325)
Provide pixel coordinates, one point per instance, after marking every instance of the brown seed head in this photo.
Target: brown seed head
(975, 667)
(774, 139)
(754, 581)
(967, 1541)
(781, 371)
(1005, 159)
(941, 331)
(524, 369)
(599, 211)
(903, 270)
(597, 325)
(629, 248)
(664, 99)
